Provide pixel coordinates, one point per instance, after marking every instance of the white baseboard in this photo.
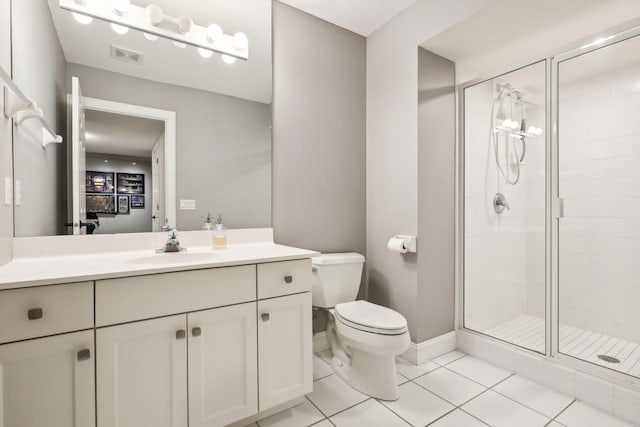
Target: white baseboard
(620, 399)
(426, 350)
(320, 342)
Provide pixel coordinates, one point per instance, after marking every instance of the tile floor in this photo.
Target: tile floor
(454, 390)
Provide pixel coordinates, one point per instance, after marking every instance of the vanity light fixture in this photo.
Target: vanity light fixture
(152, 21)
(205, 53)
(240, 41)
(214, 33)
(120, 7)
(83, 19)
(119, 29)
(228, 59)
(150, 37)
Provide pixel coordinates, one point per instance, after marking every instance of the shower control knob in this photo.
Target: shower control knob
(499, 203)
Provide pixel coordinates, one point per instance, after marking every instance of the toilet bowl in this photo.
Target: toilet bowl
(365, 338)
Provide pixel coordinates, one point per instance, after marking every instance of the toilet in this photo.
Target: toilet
(365, 338)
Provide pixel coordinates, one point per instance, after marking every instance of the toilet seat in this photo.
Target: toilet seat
(372, 318)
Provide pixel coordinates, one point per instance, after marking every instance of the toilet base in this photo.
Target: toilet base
(371, 374)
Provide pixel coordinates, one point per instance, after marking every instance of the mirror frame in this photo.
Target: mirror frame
(169, 119)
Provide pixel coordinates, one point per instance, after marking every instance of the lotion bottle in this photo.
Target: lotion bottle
(219, 234)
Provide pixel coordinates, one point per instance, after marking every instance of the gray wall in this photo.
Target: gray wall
(223, 145)
(39, 70)
(392, 153)
(138, 220)
(318, 133)
(436, 196)
(6, 212)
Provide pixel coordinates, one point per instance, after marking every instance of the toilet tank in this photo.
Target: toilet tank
(336, 278)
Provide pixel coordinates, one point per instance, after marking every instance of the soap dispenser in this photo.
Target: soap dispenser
(219, 234)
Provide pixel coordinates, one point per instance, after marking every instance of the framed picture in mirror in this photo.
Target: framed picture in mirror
(123, 205)
(131, 183)
(99, 203)
(99, 182)
(137, 202)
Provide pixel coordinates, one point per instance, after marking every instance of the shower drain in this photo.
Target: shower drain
(609, 359)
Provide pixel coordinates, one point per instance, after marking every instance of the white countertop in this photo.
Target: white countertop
(46, 270)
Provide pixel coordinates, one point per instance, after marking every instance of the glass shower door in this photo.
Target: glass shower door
(599, 190)
(504, 207)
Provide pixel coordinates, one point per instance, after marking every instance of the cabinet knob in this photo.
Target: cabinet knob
(180, 334)
(288, 279)
(84, 354)
(196, 332)
(265, 317)
(35, 313)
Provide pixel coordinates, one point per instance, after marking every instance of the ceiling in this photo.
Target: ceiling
(510, 33)
(110, 133)
(360, 16)
(163, 62)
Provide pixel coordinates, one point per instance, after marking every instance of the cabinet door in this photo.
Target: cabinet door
(223, 377)
(48, 382)
(142, 373)
(285, 356)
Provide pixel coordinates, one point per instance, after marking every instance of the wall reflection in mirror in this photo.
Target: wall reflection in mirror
(123, 172)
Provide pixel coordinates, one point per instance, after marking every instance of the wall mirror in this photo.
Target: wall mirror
(167, 131)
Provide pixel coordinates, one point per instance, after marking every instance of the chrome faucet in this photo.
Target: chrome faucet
(172, 244)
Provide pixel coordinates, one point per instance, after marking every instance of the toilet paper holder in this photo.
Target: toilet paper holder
(409, 242)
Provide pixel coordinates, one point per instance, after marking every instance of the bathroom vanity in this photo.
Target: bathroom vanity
(200, 338)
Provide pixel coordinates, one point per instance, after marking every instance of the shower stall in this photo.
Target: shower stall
(549, 206)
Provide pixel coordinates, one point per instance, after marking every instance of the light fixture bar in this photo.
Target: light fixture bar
(136, 18)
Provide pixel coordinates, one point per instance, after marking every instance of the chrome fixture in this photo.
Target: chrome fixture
(499, 203)
(172, 244)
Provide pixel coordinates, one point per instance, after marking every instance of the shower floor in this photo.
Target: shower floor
(528, 331)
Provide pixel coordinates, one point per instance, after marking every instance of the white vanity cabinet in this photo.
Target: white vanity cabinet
(196, 348)
(285, 355)
(143, 367)
(47, 381)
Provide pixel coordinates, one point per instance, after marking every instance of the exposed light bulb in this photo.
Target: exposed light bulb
(106, 161)
(133, 163)
(532, 130)
(119, 29)
(150, 37)
(228, 59)
(83, 19)
(214, 32)
(205, 53)
(538, 131)
(179, 45)
(120, 7)
(240, 41)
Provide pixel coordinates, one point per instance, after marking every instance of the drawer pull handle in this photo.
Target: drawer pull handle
(265, 317)
(288, 279)
(84, 354)
(196, 332)
(35, 313)
(180, 334)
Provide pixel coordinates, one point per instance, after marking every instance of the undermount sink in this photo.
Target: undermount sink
(173, 258)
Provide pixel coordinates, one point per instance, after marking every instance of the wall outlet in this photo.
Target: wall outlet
(8, 191)
(187, 205)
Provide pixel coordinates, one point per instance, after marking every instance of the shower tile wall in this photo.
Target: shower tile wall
(599, 159)
(504, 254)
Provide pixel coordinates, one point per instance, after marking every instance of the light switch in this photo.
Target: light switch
(18, 195)
(8, 191)
(187, 205)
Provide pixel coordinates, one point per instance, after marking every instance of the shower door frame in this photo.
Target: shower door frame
(552, 206)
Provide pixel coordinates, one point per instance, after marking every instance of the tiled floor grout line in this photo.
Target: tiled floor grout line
(393, 412)
(560, 413)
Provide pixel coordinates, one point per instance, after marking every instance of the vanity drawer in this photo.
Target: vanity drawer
(45, 310)
(284, 278)
(144, 297)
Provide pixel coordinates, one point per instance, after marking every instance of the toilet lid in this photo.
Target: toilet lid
(371, 317)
